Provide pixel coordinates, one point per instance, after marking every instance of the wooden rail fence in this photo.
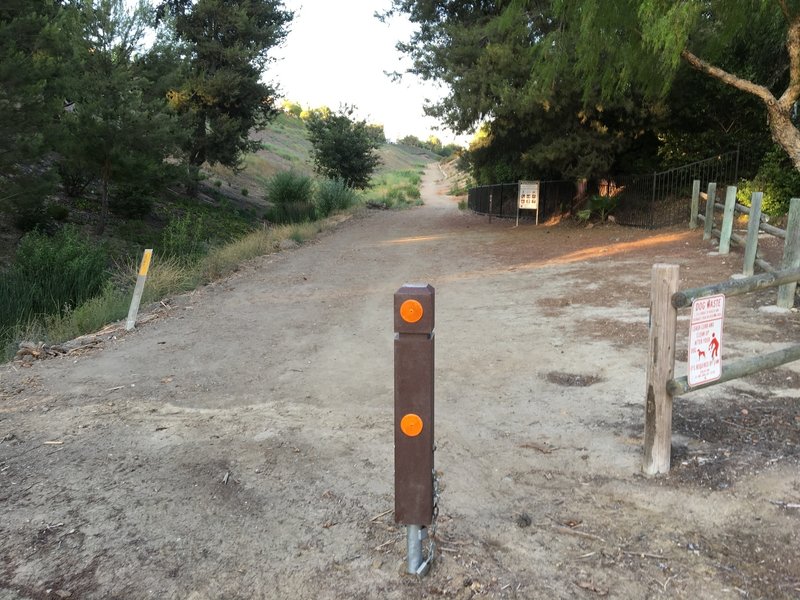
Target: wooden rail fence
(756, 224)
(665, 300)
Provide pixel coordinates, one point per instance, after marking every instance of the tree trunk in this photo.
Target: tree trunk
(784, 132)
(101, 224)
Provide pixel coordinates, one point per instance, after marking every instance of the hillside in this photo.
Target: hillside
(284, 146)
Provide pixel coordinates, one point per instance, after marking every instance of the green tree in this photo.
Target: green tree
(378, 134)
(112, 132)
(33, 37)
(292, 108)
(223, 99)
(610, 78)
(487, 54)
(411, 140)
(621, 45)
(343, 148)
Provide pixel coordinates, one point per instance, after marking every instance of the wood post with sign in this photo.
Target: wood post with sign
(660, 368)
(528, 197)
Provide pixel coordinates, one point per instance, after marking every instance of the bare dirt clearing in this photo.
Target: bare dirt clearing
(242, 447)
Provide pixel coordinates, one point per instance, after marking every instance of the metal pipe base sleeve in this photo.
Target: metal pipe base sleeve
(415, 534)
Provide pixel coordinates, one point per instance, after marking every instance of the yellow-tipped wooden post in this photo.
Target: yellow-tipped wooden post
(139, 289)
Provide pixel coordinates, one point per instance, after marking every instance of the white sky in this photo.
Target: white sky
(336, 53)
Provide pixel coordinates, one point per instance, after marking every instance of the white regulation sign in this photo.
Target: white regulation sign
(529, 195)
(705, 339)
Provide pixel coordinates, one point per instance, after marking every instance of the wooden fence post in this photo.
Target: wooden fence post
(712, 196)
(791, 254)
(753, 224)
(727, 220)
(695, 203)
(660, 368)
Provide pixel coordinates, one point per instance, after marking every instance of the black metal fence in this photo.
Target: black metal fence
(500, 200)
(648, 201)
(663, 199)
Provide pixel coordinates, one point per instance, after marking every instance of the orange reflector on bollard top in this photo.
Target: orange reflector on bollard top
(411, 425)
(411, 311)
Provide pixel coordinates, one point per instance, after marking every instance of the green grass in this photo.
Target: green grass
(167, 276)
(397, 189)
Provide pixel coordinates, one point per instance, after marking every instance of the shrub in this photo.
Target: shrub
(395, 196)
(184, 237)
(245, 192)
(777, 179)
(290, 193)
(333, 195)
(57, 212)
(600, 206)
(412, 191)
(132, 200)
(413, 177)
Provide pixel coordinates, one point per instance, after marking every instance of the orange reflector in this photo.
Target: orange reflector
(411, 311)
(411, 425)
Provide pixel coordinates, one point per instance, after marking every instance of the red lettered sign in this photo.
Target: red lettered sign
(705, 339)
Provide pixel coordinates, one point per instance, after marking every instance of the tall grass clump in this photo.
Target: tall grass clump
(50, 274)
(334, 195)
(290, 194)
(226, 259)
(110, 305)
(184, 238)
(397, 189)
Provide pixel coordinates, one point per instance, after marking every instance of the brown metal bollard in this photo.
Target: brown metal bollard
(413, 418)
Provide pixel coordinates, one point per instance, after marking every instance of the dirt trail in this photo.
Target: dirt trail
(242, 447)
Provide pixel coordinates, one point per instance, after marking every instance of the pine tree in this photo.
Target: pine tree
(223, 99)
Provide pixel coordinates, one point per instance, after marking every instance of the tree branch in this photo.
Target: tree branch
(792, 93)
(727, 78)
(785, 9)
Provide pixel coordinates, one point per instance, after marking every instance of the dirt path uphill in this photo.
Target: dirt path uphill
(242, 447)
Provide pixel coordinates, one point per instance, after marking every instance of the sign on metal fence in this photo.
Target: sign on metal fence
(705, 339)
(528, 198)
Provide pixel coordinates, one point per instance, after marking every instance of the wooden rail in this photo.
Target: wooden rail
(791, 235)
(665, 300)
